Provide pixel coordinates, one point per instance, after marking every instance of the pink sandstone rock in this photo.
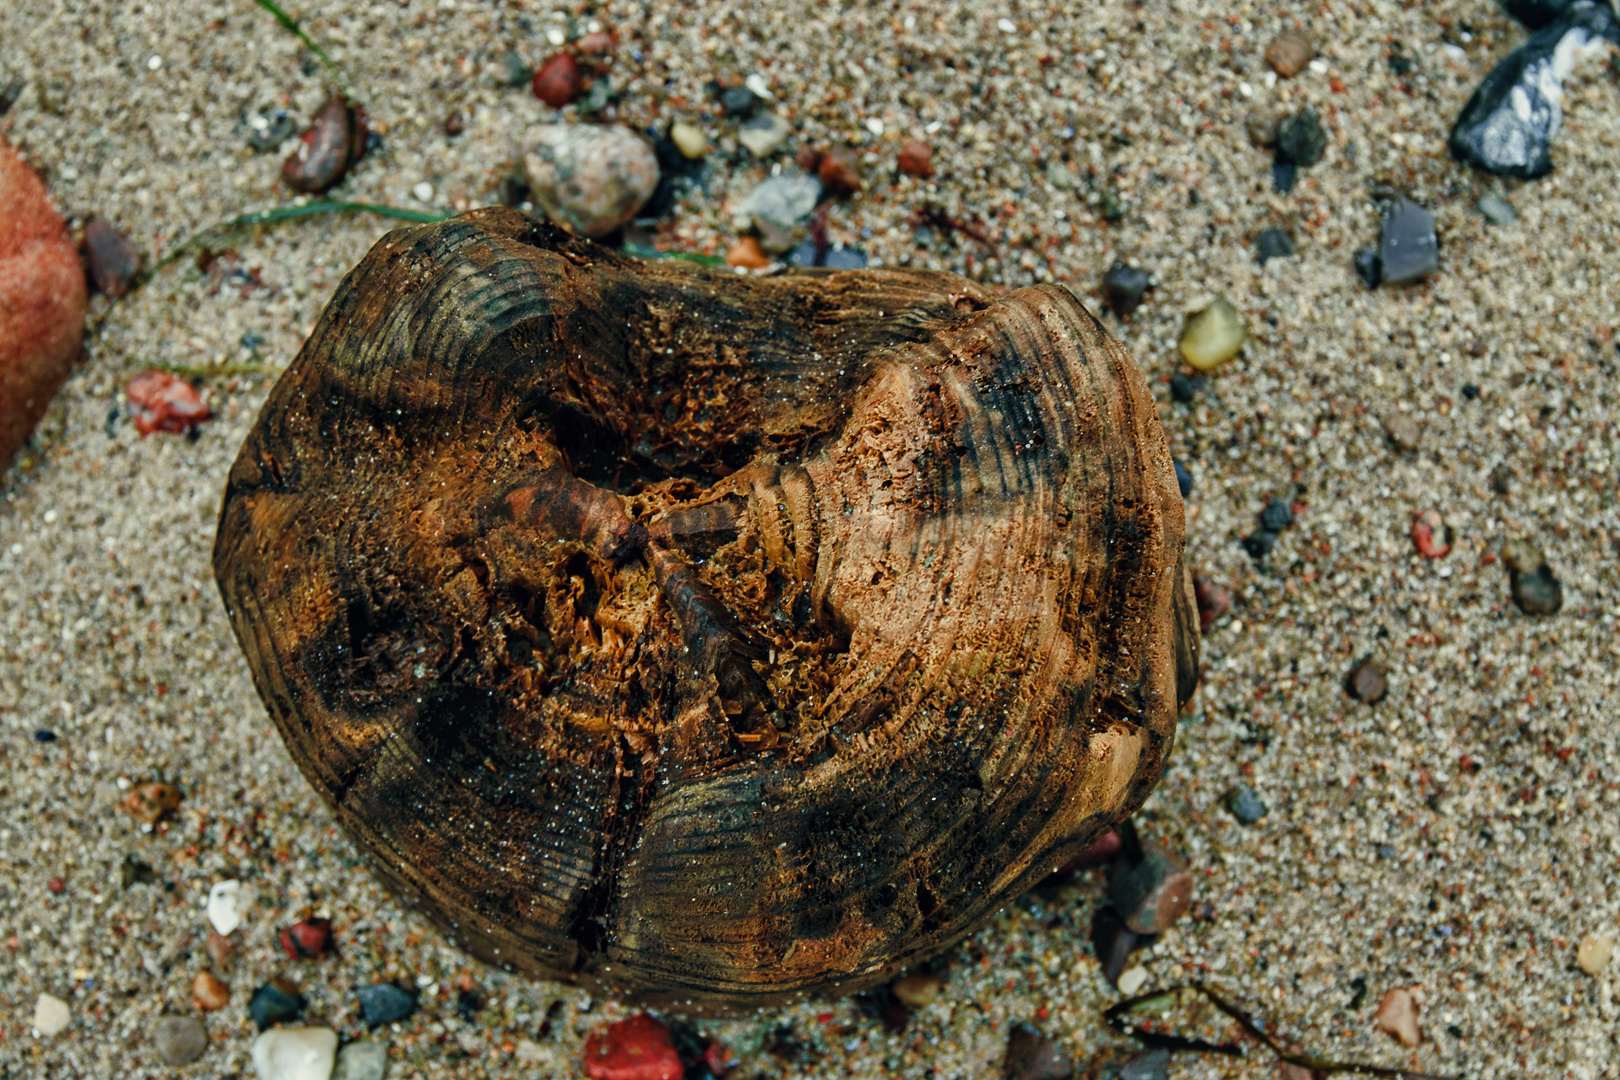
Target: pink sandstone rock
(42, 296)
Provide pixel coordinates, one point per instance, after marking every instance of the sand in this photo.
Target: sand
(1461, 836)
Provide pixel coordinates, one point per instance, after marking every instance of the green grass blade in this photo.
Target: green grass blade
(291, 25)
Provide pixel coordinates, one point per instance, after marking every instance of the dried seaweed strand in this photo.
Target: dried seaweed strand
(1116, 1018)
(291, 25)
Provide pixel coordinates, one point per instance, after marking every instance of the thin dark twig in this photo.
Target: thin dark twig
(291, 25)
(1115, 1017)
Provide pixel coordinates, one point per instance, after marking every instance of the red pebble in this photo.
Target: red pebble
(162, 402)
(558, 82)
(55, 884)
(328, 148)
(1105, 849)
(309, 939)
(1213, 601)
(1431, 534)
(639, 1048)
(917, 159)
(840, 172)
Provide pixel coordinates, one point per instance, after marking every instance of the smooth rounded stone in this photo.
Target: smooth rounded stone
(1368, 267)
(786, 200)
(559, 82)
(111, 260)
(1497, 210)
(1408, 247)
(227, 902)
(1059, 176)
(1404, 433)
(589, 178)
(839, 257)
(334, 141)
(1151, 893)
(209, 991)
(51, 1015)
(1245, 804)
(1534, 587)
(1300, 139)
(1594, 953)
(1184, 388)
(363, 1060)
(917, 159)
(1273, 243)
(764, 134)
(42, 301)
(1132, 979)
(639, 1047)
(1277, 515)
(1368, 681)
(1397, 1017)
(276, 1002)
(307, 939)
(1289, 53)
(295, 1054)
(917, 991)
(1033, 1056)
(179, 1040)
(1184, 479)
(1124, 287)
(1431, 535)
(1213, 336)
(738, 101)
(385, 1003)
(689, 140)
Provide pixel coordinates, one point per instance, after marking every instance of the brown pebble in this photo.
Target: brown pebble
(150, 802)
(559, 81)
(307, 939)
(220, 950)
(1152, 893)
(1289, 53)
(1032, 1056)
(918, 991)
(328, 148)
(1212, 600)
(840, 172)
(1368, 681)
(109, 258)
(808, 158)
(209, 991)
(1403, 431)
(454, 124)
(748, 254)
(917, 159)
(1398, 1016)
(42, 298)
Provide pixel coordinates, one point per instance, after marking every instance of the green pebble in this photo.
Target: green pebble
(1213, 336)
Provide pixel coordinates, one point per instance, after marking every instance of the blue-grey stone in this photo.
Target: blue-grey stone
(1273, 243)
(845, 258)
(786, 200)
(1408, 247)
(1245, 805)
(1497, 210)
(385, 1003)
(1184, 479)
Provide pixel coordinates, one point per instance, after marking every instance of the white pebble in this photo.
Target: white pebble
(556, 35)
(1245, 89)
(875, 126)
(51, 1014)
(1131, 980)
(227, 902)
(1006, 26)
(758, 87)
(423, 191)
(154, 63)
(1319, 67)
(295, 1054)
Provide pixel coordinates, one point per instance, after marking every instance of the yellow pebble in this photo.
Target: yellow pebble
(689, 140)
(1594, 953)
(1213, 336)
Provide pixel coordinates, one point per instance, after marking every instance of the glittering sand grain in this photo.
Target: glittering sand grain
(1460, 836)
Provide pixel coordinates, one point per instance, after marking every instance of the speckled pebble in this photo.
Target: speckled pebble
(179, 1040)
(364, 1060)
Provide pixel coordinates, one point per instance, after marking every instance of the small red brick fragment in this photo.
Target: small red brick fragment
(840, 172)
(308, 939)
(1431, 534)
(162, 402)
(559, 81)
(917, 159)
(639, 1048)
(748, 254)
(110, 259)
(56, 885)
(1213, 601)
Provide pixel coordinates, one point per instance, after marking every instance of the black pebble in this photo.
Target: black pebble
(1470, 391)
(385, 1003)
(1277, 515)
(1283, 175)
(1113, 942)
(1400, 65)
(1184, 387)
(1369, 267)
(739, 101)
(1273, 243)
(250, 340)
(803, 255)
(1300, 139)
(1124, 286)
(469, 1003)
(44, 734)
(1386, 852)
(273, 1003)
(1184, 479)
(1260, 544)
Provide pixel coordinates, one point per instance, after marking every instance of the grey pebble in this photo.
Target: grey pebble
(1300, 138)
(1273, 243)
(1497, 210)
(385, 1003)
(179, 1040)
(1408, 248)
(1244, 803)
(764, 135)
(362, 1061)
(786, 200)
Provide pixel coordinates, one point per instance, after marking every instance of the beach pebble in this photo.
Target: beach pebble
(1259, 543)
(363, 1060)
(559, 81)
(1124, 286)
(1408, 247)
(1300, 139)
(1151, 893)
(295, 1054)
(1184, 479)
(1262, 125)
(307, 939)
(1368, 267)
(1289, 53)
(689, 140)
(589, 178)
(1397, 1016)
(276, 1002)
(110, 259)
(179, 1040)
(747, 254)
(917, 159)
(839, 257)
(840, 172)
(149, 802)
(44, 735)
(1404, 432)
(42, 301)
(637, 1048)
(1497, 210)
(738, 101)
(328, 148)
(1033, 1056)
(51, 1014)
(160, 401)
(764, 135)
(1213, 336)
(1212, 600)
(1244, 803)
(1272, 243)
(1148, 1065)
(1534, 587)
(227, 903)
(209, 991)
(1112, 942)
(916, 991)
(1368, 681)
(1431, 535)
(786, 200)
(268, 129)
(455, 124)
(135, 872)
(1059, 176)
(1184, 387)
(1277, 515)
(1594, 953)
(385, 1003)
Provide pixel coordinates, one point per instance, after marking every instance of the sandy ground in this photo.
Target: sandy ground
(1462, 836)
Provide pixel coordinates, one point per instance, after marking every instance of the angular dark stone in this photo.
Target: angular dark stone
(136, 872)
(1277, 515)
(1259, 544)
(1537, 591)
(1470, 391)
(1244, 803)
(1300, 139)
(1032, 1056)
(1514, 113)
(277, 1001)
(44, 735)
(1124, 286)
(385, 1003)
(1152, 892)
(1283, 175)
(739, 101)
(1184, 387)
(1113, 942)
(1369, 267)
(1273, 243)
(1184, 479)
(1408, 248)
